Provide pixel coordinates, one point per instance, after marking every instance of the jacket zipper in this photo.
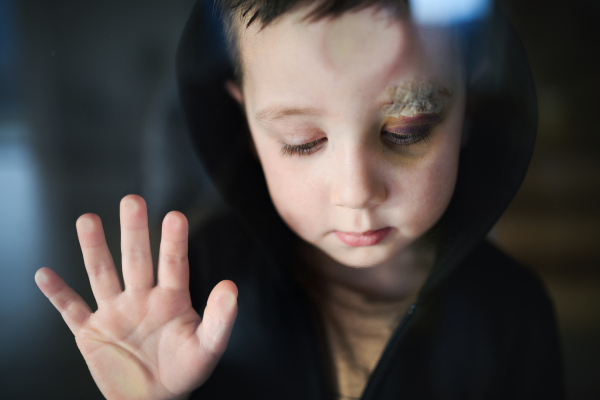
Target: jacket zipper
(393, 337)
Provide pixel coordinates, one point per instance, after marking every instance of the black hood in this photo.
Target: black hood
(501, 120)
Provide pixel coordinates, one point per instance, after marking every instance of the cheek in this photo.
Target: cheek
(430, 185)
(427, 189)
(294, 190)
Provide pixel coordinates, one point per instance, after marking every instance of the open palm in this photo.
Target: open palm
(144, 342)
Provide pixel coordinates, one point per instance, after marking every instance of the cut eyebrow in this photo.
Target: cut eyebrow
(411, 85)
(411, 98)
(272, 113)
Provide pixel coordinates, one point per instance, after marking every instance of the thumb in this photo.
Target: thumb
(217, 322)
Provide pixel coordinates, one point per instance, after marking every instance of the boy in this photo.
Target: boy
(378, 285)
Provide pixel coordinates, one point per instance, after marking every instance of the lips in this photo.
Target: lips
(369, 238)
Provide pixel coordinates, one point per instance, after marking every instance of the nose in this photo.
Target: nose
(356, 182)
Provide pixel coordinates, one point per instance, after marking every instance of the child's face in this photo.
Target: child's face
(359, 149)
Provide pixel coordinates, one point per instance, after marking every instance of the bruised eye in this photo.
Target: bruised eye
(415, 131)
(302, 149)
(408, 135)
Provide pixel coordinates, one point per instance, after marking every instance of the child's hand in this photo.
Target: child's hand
(146, 342)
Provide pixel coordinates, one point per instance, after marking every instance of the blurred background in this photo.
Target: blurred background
(89, 113)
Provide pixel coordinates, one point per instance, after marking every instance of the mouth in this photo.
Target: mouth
(368, 238)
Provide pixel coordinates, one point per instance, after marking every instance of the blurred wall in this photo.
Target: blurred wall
(553, 225)
(88, 108)
(87, 75)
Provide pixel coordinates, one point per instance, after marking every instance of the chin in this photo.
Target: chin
(363, 257)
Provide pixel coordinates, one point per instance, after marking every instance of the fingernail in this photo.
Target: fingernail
(131, 205)
(40, 278)
(170, 218)
(85, 224)
(227, 301)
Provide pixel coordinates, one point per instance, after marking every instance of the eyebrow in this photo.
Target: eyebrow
(443, 91)
(273, 113)
(278, 112)
(410, 98)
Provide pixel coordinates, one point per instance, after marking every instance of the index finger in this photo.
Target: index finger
(97, 258)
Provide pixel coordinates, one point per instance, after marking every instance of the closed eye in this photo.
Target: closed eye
(409, 136)
(303, 149)
(412, 133)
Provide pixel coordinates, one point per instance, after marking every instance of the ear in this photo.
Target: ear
(234, 91)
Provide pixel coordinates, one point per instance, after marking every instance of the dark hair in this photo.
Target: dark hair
(238, 13)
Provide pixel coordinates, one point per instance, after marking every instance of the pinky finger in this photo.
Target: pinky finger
(71, 306)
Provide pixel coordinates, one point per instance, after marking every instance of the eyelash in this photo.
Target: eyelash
(412, 135)
(302, 149)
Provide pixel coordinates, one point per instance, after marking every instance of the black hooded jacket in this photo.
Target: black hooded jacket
(483, 326)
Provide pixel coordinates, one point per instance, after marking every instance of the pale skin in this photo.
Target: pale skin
(324, 81)
(328, 85)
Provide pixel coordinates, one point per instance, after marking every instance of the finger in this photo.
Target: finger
(73, 308)
(135, 244)
(219, 317)
(96, 256)
(173, 268)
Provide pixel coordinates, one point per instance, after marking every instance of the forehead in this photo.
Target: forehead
(358, 54)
